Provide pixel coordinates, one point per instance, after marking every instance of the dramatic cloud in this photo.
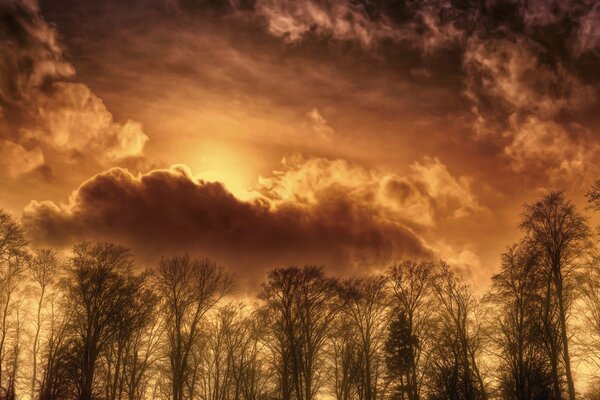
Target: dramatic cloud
(517, 96)
(74, 120)
(357, 21)
(520, 63)
(40, 109)
(416, 118)
(556, 150)
(344, 20)
(426, 195)
(318, 211)
(510, 76)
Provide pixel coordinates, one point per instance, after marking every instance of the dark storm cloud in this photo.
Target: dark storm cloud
(167, 211)
(313, 210)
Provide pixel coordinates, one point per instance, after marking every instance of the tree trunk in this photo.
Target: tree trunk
(36, 344)
(565, 337)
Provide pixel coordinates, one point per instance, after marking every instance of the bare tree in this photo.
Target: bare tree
(594, 195)
(229, 361)
(275, 316)
(413, 305)
(13, 258)
(60, 363)
(455, 360)
(518, 293)
(44, 269)
(365, 304)
(343, 353)
(218, 354)
(14, 357)
(130, 324)
(141, 352)
(301, 304)
(190, 288)
(102, 287)
(554, 226)
(252, 376)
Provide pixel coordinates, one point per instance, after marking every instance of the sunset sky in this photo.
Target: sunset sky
(264, 133)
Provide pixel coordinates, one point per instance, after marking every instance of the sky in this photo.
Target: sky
(265, 133)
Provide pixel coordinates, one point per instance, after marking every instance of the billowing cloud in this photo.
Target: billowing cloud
(530, 106)
(41, 108)
(423, 197)
(520, 64)
(317, 210)
(556, 150)
(344, 20)
(511, 77)
(357, 21)
(462, 259)
(74, 120)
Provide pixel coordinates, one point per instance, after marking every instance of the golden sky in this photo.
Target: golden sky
(265, 133)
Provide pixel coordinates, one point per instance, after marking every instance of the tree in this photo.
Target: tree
(229, 357)
(190, 288)
(594, 195)
(344, 357)
(409, 334)
(518, 293)
(141, 349)
(561, 234)
(365, 304)
(102, 288)
(13, 258)
(224, 335)
(61, 364)
(455, 372)
(121, 358)
(241, 350)
(400, 348)
(301, 304)
(44, 269)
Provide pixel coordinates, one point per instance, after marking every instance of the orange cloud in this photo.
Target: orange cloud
(316, 211)
(41, 110)
(16, 160)
(427, 194)
(560, 152)
(167, 211)
(352, 21)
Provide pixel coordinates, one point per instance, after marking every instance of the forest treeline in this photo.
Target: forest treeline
(88, 325)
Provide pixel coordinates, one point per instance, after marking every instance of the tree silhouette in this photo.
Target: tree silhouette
(44, 267)
(301, 304)
(455, 370)
(190, 288)
(594, 195)
(518, 293)
(400, 347)
(365, 304)
(561, 235)
(102, 288)
(413, 299)
(13, 261)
